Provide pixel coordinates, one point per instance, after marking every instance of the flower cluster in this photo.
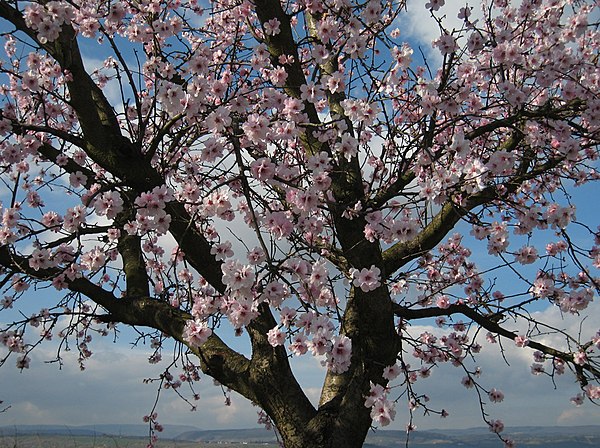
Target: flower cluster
(382, 410)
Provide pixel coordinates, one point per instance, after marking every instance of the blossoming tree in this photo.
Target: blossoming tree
(291, 169)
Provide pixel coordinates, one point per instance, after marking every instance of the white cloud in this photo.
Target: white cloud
(572, 416)
(112, 390)
(529, 399)
(418, 26)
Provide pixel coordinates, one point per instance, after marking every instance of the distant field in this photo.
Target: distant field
(65, 437)
(51, 441)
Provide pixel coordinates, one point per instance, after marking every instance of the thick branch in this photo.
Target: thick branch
(217, 359)
(489, 324)
(134, 266)
(104, 142)
(195, 246)
(283, 44)
(390, 192)
(401, 253)
(49, 152)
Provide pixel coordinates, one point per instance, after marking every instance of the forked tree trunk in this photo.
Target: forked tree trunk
(330, 428)
(341, 420)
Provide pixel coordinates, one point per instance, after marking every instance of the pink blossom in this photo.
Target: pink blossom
(287, 316)
(334, 83)
(7, 236)
(13, 342)
(467, 382)
(109, 204)
(592, 392)
(222, 251)
(391, 372)
(278, 76)
(577, 400)
(275, 337)
(262, 169)
(443, 302)
(319, 343)
(241, 311)
(367, 279)
(559, 366)
(403, 230)
(271, 27)
(11, 217)
(73, 218)
(526, 255)
(521, 341)
(256, 127)
(256, 256)
(376, 392)
(580, 358)
(275, 292)
(596, 339)
(311, 92)
(347, 147)
(213, 149)
(40, 259)
(327, 28)
(299, 344)
(77, 179)
(559, 217)
(446, 43)
(576, 300)
(383, 412)
(537, 369)
(196, 333)
(279, 224)
(320, 54)
(434, 4)
(554, 249)
(93, 259)
(543, 286)
(30, 82)
(293, 108)
(338, 358)
(237, 276)
(496, 426)
(498, 238)
(23, 362)
(6, 302)
(495, 395)
(539, 356)
(218, 120)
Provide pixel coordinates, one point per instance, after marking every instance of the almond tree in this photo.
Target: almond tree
(297, 171)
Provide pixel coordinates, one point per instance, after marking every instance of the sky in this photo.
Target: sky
(112, 390)
(112, 387)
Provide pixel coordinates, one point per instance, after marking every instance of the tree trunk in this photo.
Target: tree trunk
(341, 420)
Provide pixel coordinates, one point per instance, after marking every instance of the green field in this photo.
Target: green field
(63, 441)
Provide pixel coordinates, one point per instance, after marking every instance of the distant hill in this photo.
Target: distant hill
(170, 431)
(254, 435)
(547, 437)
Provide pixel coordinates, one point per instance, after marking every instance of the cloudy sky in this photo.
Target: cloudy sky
(112, 388)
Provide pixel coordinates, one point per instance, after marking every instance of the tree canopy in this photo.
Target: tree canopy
(300, 172)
